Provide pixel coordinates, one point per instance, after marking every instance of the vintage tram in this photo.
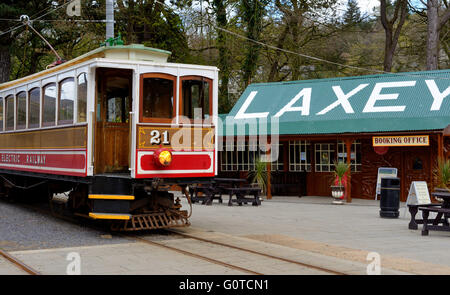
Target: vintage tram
(116, 128)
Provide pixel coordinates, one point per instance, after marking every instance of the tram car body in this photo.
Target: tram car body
(116, 127)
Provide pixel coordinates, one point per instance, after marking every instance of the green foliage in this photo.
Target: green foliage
(443, 173)
(340, 168)
(259, 174)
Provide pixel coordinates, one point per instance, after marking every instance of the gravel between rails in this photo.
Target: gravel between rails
(23, 228)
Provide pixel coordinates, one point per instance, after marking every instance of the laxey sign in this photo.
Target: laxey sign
(407, 96)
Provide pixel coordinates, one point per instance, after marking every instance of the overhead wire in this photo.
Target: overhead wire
(13, 28)
(318, 59)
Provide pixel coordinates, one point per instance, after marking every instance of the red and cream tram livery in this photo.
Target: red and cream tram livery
(115, 127)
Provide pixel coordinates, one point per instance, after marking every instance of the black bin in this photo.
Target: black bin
(390, 197)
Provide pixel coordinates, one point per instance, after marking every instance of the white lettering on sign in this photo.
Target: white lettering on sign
(10, 158)
(342, 99)
(371, 106)
(438, 96)
(376, 95)
(304, 109)
(241, 113)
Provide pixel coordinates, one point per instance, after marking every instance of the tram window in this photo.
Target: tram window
(9, 105)
(81, 97)
(34, 97)
(117, 99)
(1, 113)
(117, 110)
(49, 105)
(66, 101)
(21, 110)
(158, 97)
(197, 92)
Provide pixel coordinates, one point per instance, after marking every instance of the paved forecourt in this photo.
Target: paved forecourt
(349, 231)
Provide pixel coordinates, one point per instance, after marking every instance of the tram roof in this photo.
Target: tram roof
(415, 101)
(133, 52)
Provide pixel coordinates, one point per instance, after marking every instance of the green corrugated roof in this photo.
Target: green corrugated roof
(380, 103)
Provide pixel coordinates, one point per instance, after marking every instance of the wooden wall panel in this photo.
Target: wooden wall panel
(58, 138)
(447, 147)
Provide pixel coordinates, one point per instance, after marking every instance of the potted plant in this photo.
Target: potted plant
(258, 176)
(338, 188)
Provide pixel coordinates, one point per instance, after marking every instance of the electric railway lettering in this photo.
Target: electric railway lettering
(37, 160)
(10, 158)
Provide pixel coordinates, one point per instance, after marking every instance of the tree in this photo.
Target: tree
(10, 30)
(252, 16)
(352, 14)
(392, 32)
(219, 8)
(435, 23)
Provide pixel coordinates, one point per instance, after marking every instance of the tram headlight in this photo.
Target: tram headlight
(163, 157)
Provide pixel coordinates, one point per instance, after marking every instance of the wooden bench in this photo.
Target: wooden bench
(208, 190)
(413, 209)
(241, 192)
(442, 217)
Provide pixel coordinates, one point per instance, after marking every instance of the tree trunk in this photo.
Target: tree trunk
(392, 34)
(388, 52)
(5, 64)
(224, 56)
(432, 34)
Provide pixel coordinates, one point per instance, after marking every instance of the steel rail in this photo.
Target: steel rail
(194, 255)
(18, 263)
(258, 253)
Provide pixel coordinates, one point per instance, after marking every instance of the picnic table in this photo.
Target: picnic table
(241, 192)
(442, 213)
(215, 188)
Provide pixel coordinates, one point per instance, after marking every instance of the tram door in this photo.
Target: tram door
(112, 128)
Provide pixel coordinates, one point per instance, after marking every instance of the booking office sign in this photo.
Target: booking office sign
(377, 103)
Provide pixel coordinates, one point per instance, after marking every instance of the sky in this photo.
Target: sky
(367, 6)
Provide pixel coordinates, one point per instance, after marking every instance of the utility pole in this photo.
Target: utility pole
(109, 19)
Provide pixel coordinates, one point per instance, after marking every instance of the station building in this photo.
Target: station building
(397, 120)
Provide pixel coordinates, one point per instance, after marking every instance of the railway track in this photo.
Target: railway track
(239, 250)
(323, 269)
(244, 251)
(17, 263)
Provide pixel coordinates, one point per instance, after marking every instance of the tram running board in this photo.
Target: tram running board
(152, 221)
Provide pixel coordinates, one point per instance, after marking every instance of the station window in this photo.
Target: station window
(299, 155)
(243, 156)
(324, 156)
(196, 94)
(417, 164)
(66, 101)
(355, 157)
(49, 105)
(9, 107)
(158, 101)
(81, 97)
(34, 103)
(21, 110)
(1, 113)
